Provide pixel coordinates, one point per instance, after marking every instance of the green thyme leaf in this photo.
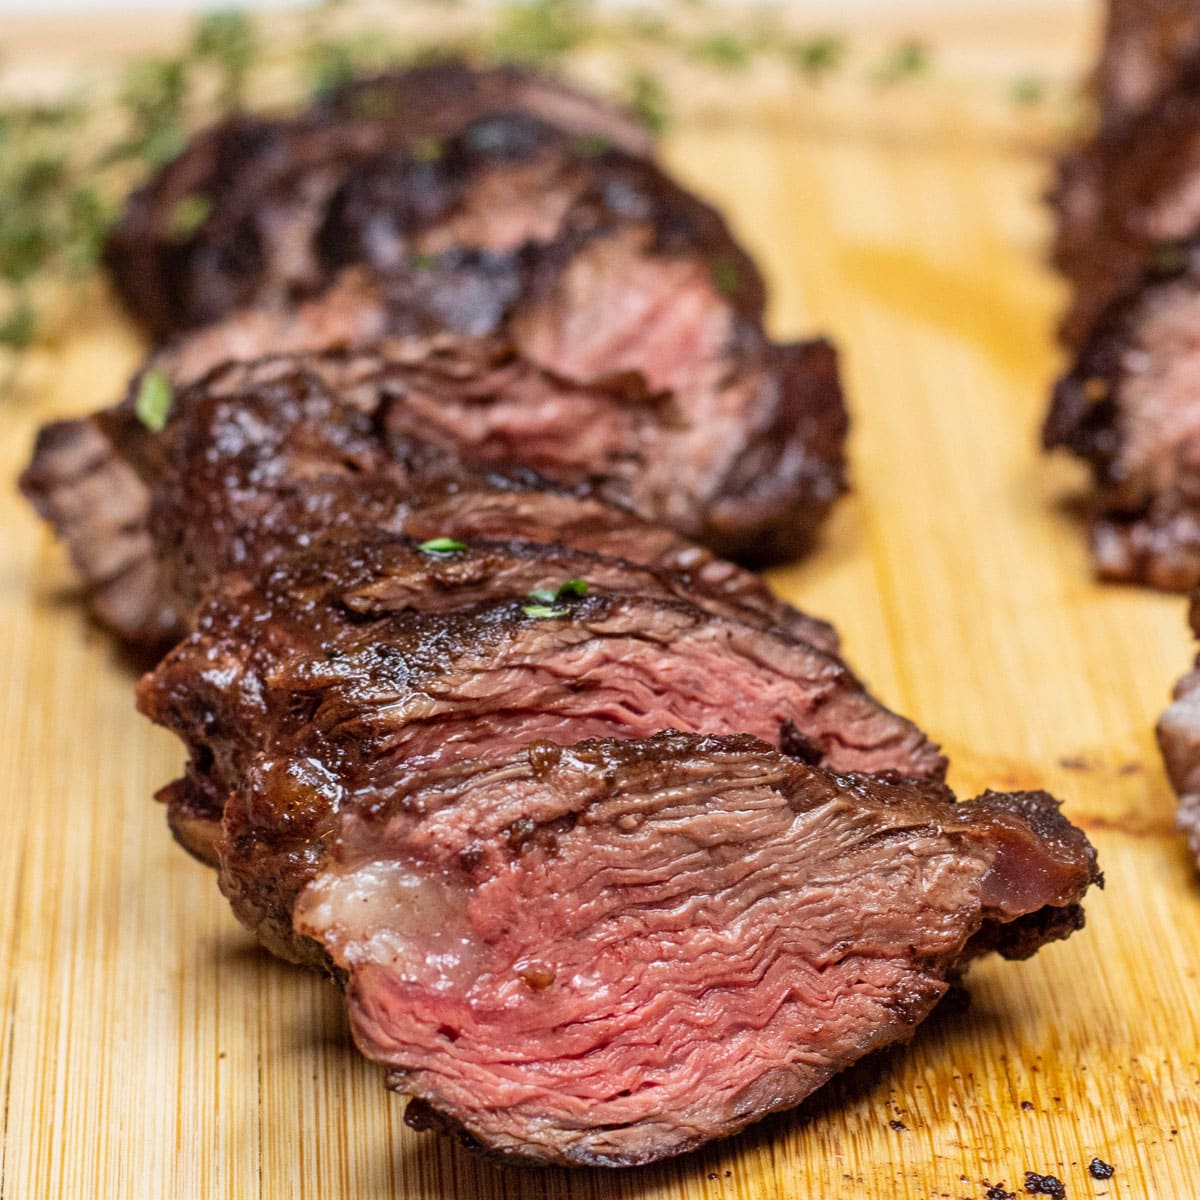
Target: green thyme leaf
(189, 213)
(427, 149)
(1028, 91)
(154, 400)
(909, 60)
(540, 30)
(722, 50)
(228, 39)
(442, 545)
(545, 597)
(648, 100)
(592, 145)
(18, 329)
(819, 56)
(725, 276)
(542, 612)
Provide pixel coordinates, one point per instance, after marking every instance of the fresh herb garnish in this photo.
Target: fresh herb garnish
(570, 589)
(544, 601)
(818, 56)
(726, 277)
(442, 545)
(909, 60)
(153, 403)
(427, 149)
(228, 39)
(542, 611)
(722, 50)
(1028, 91)
(187, 216)
(541, 30)
(648, 100)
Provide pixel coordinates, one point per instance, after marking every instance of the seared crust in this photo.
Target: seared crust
(1130, 407)
(313, 662)
(488, 850)
(266, 183)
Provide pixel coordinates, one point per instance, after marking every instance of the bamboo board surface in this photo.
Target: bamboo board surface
(147, 1049)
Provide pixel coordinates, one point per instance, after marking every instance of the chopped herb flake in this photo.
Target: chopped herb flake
(188, 215)
(818, 56)
(1029, 91)
(545, 597)
(909, 60)
(154, 399)
(441, 545)
(541, 612)
(726, 277)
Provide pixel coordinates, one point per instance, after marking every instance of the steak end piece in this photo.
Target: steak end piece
(1125, 194)
(608, 953)
(99, 505)
(265, 183)
(1130, 406)
(1179, 740)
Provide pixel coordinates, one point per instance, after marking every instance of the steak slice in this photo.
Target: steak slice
(597, 268)
(337, 655)
(1128, 194)
(1179, 740)
(612, 952)
(1146, 45)
(262, 457)
(1130, 406)
(264, 184)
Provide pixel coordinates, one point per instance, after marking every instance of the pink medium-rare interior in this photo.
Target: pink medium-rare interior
(598, 679)
(649, 972)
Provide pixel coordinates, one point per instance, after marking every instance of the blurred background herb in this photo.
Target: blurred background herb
(66, 166)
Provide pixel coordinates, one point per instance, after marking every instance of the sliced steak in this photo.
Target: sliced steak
(262, 186)
(593, 265)
(1125, 197)
(339, 652)
(613, 952)
(762, 426)
(260, 458)
(464, 226)
(1130, 406)
(99, 506)
(1147, 43)
(1179, 740)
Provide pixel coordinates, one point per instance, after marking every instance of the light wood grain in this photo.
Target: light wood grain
(148, 1050)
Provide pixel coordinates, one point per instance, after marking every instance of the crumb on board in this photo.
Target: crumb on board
(1044, 1185)
(1099, 1169)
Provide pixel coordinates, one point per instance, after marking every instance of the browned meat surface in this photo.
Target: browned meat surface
(343, 648)
(1146, 45)
(362, 437)
(611, 850)
(1126, 197)
(1179, 741)
(569, 962)
(1130, 406)
(589, 261)
(99, 506)
(263, 185)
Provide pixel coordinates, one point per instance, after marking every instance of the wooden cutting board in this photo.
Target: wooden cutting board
(147, 1049)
